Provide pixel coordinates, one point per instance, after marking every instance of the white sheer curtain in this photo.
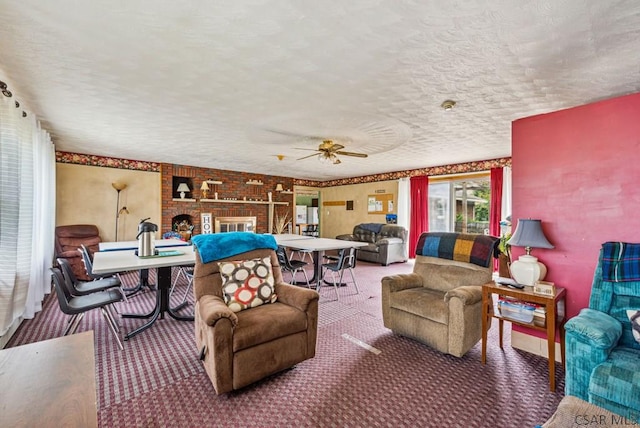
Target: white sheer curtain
(27, 214)
(506, 192)
(404, 202)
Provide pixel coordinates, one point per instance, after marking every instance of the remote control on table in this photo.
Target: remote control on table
(509, 283)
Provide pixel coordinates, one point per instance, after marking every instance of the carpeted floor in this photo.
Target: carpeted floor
(158, 381)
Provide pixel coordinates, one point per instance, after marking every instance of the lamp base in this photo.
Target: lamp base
(527, 270)
(181, 195)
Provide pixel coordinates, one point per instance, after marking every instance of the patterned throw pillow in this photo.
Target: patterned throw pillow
(634, 317)
(247, 283)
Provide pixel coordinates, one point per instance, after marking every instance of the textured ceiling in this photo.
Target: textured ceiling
(231, 84)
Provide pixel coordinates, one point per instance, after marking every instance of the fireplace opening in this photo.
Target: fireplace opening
(183, 225)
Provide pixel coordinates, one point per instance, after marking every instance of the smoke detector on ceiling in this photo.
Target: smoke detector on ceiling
(448, 105)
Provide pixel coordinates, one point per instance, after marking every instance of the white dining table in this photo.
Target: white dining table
(318, 246)
(109, 262)
(133, 245)
(282, 237)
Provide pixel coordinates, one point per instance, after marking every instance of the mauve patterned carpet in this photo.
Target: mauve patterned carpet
(158, 381)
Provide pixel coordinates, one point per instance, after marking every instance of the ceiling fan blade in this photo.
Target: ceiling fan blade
(358, 155)
(293, 134)
(315, 154)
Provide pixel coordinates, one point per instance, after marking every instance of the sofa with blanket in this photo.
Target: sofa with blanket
(387, 242)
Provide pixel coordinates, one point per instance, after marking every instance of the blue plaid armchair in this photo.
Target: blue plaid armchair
(602, 356)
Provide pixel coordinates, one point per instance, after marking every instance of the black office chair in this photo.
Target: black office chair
(82, 288)
(346, 260)
(88, 266)
(311, 230)
(187, 272)
(292, 266)
(77, 306)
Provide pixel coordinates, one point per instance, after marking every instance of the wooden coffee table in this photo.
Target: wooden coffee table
(49, 383)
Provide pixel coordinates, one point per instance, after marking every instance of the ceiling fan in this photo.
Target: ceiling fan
(328, 151)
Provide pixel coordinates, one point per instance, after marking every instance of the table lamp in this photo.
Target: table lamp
(205, 189)
(182, 188)
(527, 270)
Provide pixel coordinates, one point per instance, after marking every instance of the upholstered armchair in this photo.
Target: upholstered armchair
(440, 303)
(602, 356)
(240, 348)
(67, 243)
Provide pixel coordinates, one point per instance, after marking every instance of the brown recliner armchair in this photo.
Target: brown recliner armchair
(440, 303)
(68, 240)
(239, 348)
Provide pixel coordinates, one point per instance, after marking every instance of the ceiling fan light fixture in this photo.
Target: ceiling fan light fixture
(448, 105)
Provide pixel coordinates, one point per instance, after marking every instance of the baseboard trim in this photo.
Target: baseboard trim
(532, 344)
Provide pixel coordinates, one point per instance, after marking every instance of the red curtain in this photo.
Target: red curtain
(495, 208)
(419, 211)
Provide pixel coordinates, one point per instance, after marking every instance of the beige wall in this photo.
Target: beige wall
(336, 220)
(84, 195)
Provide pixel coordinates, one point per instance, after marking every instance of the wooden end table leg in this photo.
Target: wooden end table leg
(551, 344)
(485, 321)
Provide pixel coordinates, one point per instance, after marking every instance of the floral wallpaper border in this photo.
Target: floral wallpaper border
(106, 162)
(460, 168)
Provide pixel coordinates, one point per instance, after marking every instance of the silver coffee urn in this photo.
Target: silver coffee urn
(146, 238)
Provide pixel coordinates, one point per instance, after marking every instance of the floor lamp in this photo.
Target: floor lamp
(119, 187)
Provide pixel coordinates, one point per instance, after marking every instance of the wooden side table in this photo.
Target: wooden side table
(555, 319)
(49, 383)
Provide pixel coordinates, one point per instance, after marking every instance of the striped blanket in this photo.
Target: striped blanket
(620, 262)
(462, 247)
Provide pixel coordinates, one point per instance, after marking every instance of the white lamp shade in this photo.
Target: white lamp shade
(205, 186)
(182, 188)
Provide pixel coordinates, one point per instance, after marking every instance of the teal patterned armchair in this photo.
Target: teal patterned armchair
(602, 356)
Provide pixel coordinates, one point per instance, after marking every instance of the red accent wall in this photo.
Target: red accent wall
(578, 170)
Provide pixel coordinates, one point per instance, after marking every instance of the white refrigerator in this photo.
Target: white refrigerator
(312, 215)
(301, 214)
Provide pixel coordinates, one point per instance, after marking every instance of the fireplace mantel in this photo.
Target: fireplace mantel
(234, 201)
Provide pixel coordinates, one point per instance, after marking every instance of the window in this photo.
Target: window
(460, 204)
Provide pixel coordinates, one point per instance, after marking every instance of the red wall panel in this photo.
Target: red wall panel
(578, 171)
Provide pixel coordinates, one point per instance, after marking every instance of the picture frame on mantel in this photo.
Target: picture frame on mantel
(206, 223)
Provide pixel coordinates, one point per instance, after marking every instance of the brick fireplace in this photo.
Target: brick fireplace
(232, 192)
